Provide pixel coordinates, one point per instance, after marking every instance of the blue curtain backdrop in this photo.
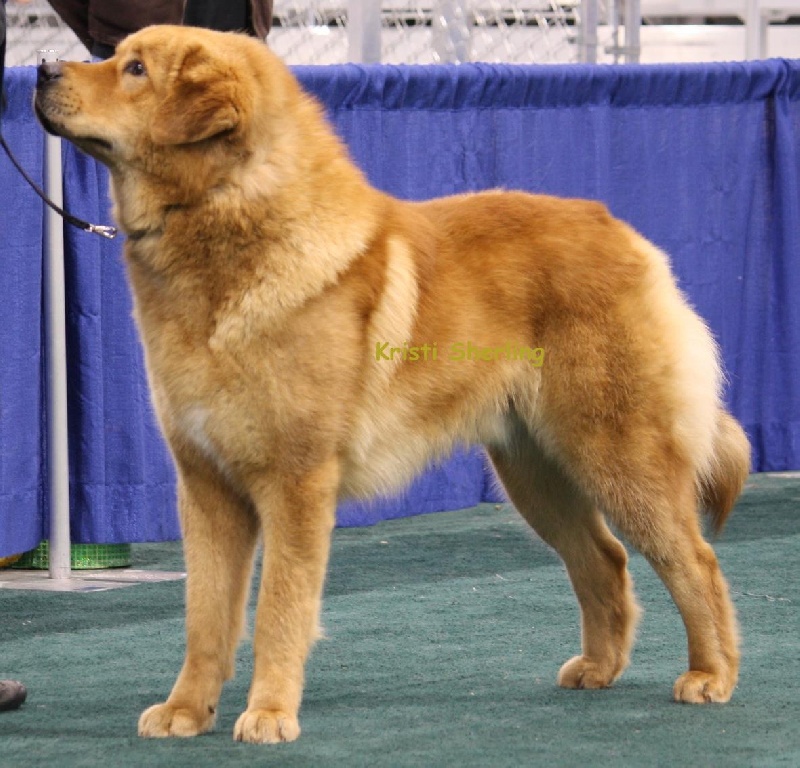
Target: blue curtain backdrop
(703, 160)
(21, 376)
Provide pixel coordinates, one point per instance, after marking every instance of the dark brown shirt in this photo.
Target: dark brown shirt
(109, 21)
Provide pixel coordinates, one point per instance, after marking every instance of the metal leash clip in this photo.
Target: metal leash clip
(103, 230)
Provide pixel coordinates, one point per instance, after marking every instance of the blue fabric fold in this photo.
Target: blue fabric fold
(123, 483)
(22, 447)
(702, 159)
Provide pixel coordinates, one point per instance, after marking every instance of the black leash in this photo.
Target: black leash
(98, 229)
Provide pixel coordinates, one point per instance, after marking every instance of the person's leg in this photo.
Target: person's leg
(101, 51)
(232, 16)
(75, 14)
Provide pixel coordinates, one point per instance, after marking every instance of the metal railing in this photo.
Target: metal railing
(399, 31)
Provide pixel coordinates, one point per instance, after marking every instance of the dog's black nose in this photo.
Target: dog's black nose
(48, 72)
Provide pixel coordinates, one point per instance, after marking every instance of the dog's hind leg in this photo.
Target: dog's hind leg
(219, 536)
(664, 526)
(596, 561)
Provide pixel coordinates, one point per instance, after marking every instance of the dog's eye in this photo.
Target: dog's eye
(135, 68)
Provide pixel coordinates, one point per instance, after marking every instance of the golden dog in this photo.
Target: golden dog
(289, 314)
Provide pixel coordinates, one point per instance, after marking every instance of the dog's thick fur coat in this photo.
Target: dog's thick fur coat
(267, 274)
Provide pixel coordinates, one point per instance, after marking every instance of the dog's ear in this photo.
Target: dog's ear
(199, 103)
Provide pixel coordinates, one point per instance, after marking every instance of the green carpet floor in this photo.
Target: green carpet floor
(445, 633)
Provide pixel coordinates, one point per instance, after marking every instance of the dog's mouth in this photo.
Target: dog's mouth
(45, 121)
(90, 144)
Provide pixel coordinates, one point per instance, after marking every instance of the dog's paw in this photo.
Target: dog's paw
(702, 688)
(163, 720)
(266, 726)
(580, 672)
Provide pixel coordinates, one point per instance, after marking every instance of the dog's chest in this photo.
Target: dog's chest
(193, 425)
(191, 390)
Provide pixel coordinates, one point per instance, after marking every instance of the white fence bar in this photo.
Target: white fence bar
(451, 27)
(588, 32)
(758, 14)
(56, 362)
(364, 31)
(755, 31)
(633, 24)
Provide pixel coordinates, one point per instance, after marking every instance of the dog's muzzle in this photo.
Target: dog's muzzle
(48, 73)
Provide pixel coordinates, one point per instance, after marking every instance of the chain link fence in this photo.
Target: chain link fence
(34, 25)
(514, 31)
(316, 31)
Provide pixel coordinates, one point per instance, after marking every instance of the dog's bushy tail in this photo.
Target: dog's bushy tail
(728, 472)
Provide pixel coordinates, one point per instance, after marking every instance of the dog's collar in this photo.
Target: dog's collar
(136, 235)
(140, 234)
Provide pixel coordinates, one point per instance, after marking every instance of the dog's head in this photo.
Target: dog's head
(168, 92)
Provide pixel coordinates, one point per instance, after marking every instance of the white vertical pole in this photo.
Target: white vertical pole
(588, 53)
(451, 27)
(364, 31)
(755, 27)
(633, 24)
(56, 362)
(615, 20)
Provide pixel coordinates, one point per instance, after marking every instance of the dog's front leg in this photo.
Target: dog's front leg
(220, 532)
(297, 515)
